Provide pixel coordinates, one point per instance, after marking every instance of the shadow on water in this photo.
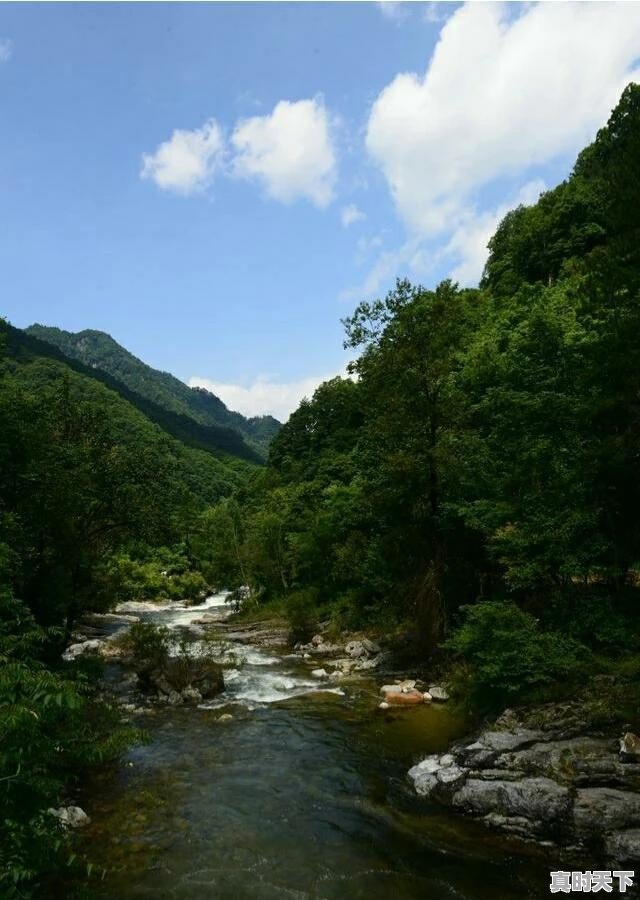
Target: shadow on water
(304, 798)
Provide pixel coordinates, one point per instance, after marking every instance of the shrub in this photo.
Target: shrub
(503, 655)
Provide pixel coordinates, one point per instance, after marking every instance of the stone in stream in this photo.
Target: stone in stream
(70, 816)
(319, 673)
(404, 693)
(438, 693)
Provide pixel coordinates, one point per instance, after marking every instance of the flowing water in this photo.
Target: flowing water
(302, 794)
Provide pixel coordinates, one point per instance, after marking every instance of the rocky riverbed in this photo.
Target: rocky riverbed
(309, 743)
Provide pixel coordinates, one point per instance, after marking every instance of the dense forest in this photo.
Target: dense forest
(477, 477)
(474, 486)
(162, 394)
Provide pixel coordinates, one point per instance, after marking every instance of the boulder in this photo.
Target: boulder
(605, 809)
(70, 816)
(319, 673)
(438, 693)
(403, 694)
(540, 800)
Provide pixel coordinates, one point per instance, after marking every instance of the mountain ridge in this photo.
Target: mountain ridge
(99, 350)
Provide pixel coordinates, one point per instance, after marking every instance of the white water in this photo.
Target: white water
(255, 677)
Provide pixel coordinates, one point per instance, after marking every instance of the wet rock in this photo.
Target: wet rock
(383, 705)
(402, 694)
(438, 693)
(319, 673)
(70, 816)
(191, 695)
(539, 784)
(225, 717)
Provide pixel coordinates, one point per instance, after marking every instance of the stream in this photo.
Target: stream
(302, 794)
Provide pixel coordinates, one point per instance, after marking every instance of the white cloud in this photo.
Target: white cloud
(504, 90)
(394, 10)
(290, 151)
(6, 50)
(186, 163)
(265, 396)
(351, 214)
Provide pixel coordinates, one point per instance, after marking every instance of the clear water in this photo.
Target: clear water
(301, 795)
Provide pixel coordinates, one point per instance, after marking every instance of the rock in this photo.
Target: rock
(370, 646)
(191, 695)
(319, 673)
(383, 705)
(70, 816)
(403, 693)
(438, 693)
(225, 717)
(317, 640)
(355, 649)
(428, 697)
(540, 800)
(605, 809)
(337, 675)
(629, 747)
(624, 846)
(306, 656)
(76, 650)
(398, 696)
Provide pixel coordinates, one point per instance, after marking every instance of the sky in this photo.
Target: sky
(217, 185)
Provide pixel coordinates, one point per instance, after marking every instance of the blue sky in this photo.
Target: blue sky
(216, 185)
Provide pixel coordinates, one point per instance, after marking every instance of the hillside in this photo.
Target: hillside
(101, 351)
(37, 367)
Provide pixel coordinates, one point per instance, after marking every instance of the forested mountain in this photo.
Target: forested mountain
(479, 480)
(164, 391)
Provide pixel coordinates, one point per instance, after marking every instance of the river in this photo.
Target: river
(302, 794)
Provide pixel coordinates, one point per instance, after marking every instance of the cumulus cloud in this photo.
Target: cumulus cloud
(6, 50)
(187, 161)
(265, 396)
(290, 151)
(351, 214)
(504, 90)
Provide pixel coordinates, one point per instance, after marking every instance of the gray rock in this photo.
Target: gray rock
(70, 816)
(319, 673)
(355, 649)
(539, 799)
(438, 693)
(624, 846)
(605, 809)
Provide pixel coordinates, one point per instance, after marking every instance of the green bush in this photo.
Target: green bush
(52, 728)
(503, 656)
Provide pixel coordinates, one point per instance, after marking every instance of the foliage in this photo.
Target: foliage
(507, 655)
(191, 414)
(485, 450)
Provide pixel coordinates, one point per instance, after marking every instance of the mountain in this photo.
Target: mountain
(39, 367)
(166, 392)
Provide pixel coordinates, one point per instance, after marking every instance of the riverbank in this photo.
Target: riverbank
(297, 734)
(286, 785)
